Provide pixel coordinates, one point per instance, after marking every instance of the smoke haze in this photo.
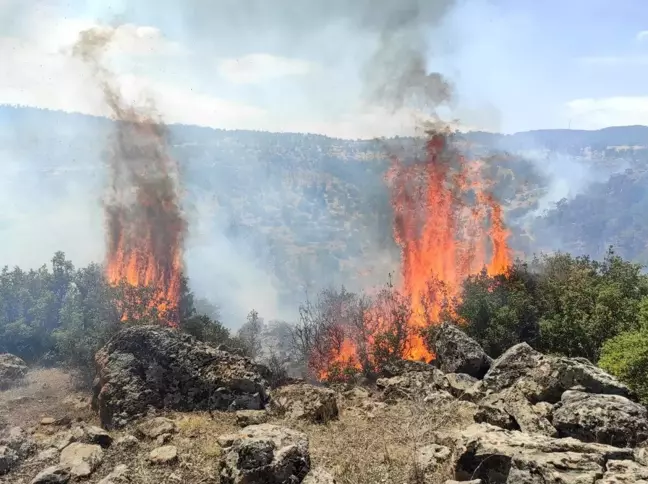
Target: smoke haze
(270, 216)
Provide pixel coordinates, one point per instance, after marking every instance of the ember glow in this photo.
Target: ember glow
(448, 225)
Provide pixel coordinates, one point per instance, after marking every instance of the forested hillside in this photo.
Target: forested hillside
(292, 213)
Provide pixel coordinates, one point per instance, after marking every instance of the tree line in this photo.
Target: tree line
(558, 303)
(62, 315)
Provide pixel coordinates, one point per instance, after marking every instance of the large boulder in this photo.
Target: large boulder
(545, 378)
(456, 352)
(415, 385)
(151, 366)
(513, 364)
(81, 459)
(555, 375)
(264, 454)
(12, 370)
(610, 419)
(511, 410)
(305, 402)
(500, 456)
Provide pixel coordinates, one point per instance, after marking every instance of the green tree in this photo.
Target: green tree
(500, 311)
(249, 335)
(558, 303)
(586, 302)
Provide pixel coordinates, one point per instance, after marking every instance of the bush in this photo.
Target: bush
(586, 302)
(626, 357)
(558, 304)
(205, 329)
(500, 311)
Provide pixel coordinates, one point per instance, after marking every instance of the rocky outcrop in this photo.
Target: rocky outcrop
(12, 370)
(511, 410)
(15, 446)
(19, 441)
(428, 460)
(401, 367)
(612, 419)
(264, 454)
(513, 364)
(500, 456)
(150, 366)
(463, 386)
(456, 352)
(624, 471)
(415, 385)
(545, 378)
(535, 393)
(305, 402)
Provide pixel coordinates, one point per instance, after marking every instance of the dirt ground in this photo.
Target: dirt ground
(47, 392)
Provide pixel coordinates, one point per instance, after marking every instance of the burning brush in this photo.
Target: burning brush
(448, 225)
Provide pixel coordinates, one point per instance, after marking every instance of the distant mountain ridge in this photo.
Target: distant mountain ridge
(632, 135)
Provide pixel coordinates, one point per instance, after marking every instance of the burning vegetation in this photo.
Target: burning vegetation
(144, 221)
(448, 225)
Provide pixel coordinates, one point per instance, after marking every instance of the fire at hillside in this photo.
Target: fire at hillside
(145, 225)
(448, 225)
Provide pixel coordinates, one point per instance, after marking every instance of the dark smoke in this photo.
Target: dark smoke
(144, 219)
(397, 74)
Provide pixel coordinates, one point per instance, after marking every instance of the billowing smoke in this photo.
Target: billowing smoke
(398, 74)
(145, 225)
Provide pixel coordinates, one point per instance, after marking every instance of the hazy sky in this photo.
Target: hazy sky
(297, 65)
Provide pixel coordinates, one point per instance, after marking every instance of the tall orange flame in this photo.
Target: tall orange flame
(446, 221)
(145, 224)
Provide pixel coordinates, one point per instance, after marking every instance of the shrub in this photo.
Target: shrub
(626, 357)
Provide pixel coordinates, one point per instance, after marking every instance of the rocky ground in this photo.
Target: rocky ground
(166, 409)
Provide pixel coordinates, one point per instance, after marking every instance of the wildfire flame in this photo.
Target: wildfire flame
(446, 221)
(144, 222)
(145, 226)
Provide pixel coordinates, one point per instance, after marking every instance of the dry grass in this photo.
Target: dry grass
(370, 442)
(378, 446)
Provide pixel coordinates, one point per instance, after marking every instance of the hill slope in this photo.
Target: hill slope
(273, 215)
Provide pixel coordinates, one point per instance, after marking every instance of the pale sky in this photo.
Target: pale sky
(297, 65)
